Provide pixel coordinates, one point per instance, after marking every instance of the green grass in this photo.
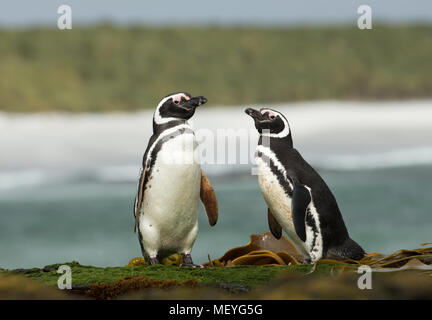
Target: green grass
(106, 69)
(248, 276)
(241, 282)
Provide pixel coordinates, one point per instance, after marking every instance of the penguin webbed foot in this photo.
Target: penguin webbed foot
(154, 260)
(307, 261)
(187, 261)
(191, 265)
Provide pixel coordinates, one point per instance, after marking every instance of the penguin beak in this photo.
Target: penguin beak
(195, 102)
(255, 114)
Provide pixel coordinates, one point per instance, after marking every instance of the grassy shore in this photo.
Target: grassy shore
(247, 276)
(240, 282)
(105, 68)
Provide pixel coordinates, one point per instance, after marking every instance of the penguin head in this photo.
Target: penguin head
(177, 106)
(270, 122)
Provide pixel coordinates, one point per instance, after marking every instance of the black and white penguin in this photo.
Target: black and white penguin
(171, 183)
(298, 199)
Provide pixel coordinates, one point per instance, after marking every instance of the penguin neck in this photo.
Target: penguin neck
(272, 142)
(158, 128)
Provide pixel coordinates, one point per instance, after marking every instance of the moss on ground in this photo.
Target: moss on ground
(247, 276)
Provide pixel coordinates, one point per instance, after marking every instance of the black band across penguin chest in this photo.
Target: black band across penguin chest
(285, 182)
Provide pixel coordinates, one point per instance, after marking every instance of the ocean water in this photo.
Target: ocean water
(68, 182)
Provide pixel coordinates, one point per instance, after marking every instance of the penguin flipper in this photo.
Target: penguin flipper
(275, 227)
(139, 198)
(208, 199)
(300, 201)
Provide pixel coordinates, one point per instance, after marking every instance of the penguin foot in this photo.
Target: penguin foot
(187, 261)
(312, 270)
(192, 265)
(154, 260)
(307, 261)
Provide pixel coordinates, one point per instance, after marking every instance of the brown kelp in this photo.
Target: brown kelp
(265, 250)
(262, 249)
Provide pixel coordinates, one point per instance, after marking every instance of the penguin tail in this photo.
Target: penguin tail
(349, 249)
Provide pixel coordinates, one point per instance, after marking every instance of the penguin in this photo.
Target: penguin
(171, 183)
(299, 201)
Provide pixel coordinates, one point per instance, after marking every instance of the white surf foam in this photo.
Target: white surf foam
(392, 159)
(109, 147)
(22, 178)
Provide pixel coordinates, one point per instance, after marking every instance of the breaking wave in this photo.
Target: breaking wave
(22, 178)
(128, 173)
(390, 159)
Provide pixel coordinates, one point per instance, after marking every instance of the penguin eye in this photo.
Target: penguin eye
(272, 117)
(176, 101)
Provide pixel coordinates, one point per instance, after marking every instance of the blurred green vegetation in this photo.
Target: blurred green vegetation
(105, 68)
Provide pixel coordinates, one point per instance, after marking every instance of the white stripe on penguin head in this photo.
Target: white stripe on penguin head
(286, 130)
(157, 116)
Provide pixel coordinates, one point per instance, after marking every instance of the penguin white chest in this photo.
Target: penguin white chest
(169, 219)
